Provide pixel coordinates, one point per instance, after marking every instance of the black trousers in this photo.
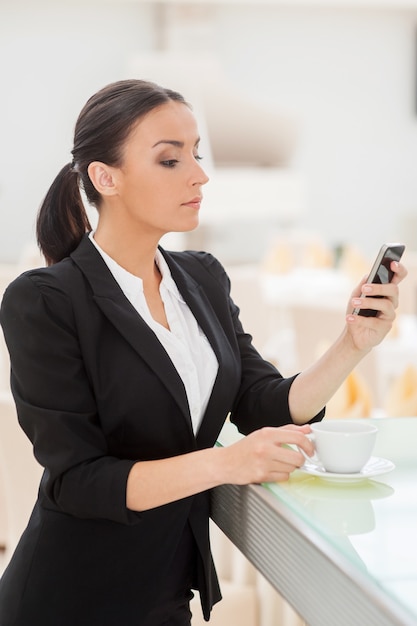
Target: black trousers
(173, 603)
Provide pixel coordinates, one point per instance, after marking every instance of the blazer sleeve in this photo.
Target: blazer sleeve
(262, 398)
(55, 404)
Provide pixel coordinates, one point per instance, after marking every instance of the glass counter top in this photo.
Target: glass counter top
(370, 523)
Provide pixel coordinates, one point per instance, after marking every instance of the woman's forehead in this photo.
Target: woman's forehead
(170, 122)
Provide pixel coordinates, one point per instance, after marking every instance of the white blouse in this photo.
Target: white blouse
(186, 344)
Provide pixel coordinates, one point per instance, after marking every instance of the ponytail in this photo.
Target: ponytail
(62, 220)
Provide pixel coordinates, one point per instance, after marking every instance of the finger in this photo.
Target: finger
(384, 308)
(379, 297)
(280, 477)
(295, 455)
(304, 428)
(290, 433)
(282, 472)
(400, 272)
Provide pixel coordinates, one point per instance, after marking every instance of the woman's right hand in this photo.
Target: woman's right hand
(264, 456)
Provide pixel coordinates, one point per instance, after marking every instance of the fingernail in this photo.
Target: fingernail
(367, 289)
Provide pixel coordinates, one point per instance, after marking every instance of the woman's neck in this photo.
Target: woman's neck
(132, 251)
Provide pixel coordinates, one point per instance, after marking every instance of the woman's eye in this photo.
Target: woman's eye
(173, 162)
(169, 163)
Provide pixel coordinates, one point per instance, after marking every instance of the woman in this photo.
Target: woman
(126, 360)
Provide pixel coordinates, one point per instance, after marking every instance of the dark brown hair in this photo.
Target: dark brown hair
(100, 133)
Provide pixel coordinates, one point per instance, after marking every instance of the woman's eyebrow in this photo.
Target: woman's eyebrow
(174, 142)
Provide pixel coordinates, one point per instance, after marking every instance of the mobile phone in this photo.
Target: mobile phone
(381, 272)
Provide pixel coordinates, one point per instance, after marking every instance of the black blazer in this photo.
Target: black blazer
(95, 392)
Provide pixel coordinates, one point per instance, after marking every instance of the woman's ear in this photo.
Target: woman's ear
(101, 175)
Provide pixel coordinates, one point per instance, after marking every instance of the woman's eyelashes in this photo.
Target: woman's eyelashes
(173, 162)
(169, 162)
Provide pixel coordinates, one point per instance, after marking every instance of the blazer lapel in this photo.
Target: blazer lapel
(117, 308)
(200, 306)
(229, 373)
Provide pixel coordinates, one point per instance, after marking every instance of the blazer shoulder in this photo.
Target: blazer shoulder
(51, 286)
(60, 274)
(200, 265)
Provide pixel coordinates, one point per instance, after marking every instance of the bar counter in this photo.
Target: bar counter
(340, 552)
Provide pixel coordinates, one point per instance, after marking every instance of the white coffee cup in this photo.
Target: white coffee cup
(343, 446)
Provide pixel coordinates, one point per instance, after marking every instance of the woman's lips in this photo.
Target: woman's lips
(194, 202)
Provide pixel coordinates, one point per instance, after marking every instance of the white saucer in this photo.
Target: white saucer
(374, 467)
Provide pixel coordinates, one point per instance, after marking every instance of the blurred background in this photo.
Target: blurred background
(318, 96)
(308, 116)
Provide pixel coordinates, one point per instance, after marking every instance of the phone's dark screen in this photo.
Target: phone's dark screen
(384, 274)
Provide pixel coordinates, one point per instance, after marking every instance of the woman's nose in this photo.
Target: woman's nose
(201, 177)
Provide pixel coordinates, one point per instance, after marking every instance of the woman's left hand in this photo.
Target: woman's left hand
(367, 332)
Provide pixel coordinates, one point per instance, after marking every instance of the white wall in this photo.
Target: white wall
(350, 76)
(53, 56)
(347, 74)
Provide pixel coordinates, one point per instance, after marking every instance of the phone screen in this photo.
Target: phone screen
(381, 272)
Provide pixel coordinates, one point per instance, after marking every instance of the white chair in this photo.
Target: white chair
(247, 294)
(315, 328)
(19, 471)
